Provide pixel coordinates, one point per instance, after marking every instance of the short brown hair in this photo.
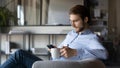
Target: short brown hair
(80, 10)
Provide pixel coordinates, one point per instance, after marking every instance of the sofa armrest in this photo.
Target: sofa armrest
(87, 63)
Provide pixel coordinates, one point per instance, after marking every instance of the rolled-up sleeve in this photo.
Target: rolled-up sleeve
(94, 53)
(95, 50)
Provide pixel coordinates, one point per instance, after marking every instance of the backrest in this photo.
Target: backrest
(69, 64)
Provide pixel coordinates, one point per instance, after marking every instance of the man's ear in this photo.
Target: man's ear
(86, 19)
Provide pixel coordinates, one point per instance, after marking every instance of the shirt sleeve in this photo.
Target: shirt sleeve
(93, 53)
(93, 50)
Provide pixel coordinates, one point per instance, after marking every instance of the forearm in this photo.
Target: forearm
(99, 53)
(93, 53)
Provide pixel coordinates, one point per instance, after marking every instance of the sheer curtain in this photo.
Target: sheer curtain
(30, 12)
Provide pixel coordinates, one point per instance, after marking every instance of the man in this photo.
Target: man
(79, 43)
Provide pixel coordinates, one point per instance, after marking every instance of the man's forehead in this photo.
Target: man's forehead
(75, 17)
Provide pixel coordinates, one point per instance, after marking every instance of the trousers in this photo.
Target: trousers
(20, 59)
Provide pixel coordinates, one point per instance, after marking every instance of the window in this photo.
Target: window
(29, 12)
(45, 12)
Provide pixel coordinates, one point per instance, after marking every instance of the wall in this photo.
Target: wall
(114, 18)
(118, 16)
(114, 23)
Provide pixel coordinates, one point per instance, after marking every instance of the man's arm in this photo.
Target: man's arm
(84, 53)
(99, 53)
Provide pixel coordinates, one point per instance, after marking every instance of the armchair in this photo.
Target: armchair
(86, 63)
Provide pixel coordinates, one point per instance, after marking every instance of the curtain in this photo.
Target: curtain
(32, 11)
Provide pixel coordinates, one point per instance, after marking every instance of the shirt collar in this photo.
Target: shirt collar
(85, 32)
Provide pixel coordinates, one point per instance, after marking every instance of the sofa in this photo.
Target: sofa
(86, 63)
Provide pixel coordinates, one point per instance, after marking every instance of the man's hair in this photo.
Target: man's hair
(82, 11)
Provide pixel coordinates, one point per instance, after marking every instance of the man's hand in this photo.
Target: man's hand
(68, 52)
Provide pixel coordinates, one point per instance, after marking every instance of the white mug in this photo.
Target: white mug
(55, 53)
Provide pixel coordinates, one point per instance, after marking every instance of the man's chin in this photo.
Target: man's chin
(78, 30)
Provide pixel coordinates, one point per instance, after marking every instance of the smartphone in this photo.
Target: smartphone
(50, 46)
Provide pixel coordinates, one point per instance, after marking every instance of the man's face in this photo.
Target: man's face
(77, 22)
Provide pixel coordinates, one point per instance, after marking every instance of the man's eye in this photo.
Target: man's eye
(75, 20)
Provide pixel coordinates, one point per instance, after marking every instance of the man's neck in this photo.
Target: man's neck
(79, 32)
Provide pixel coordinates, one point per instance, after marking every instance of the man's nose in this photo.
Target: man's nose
(72, 23)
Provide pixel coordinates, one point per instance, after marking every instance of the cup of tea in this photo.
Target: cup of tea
(55, 53)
